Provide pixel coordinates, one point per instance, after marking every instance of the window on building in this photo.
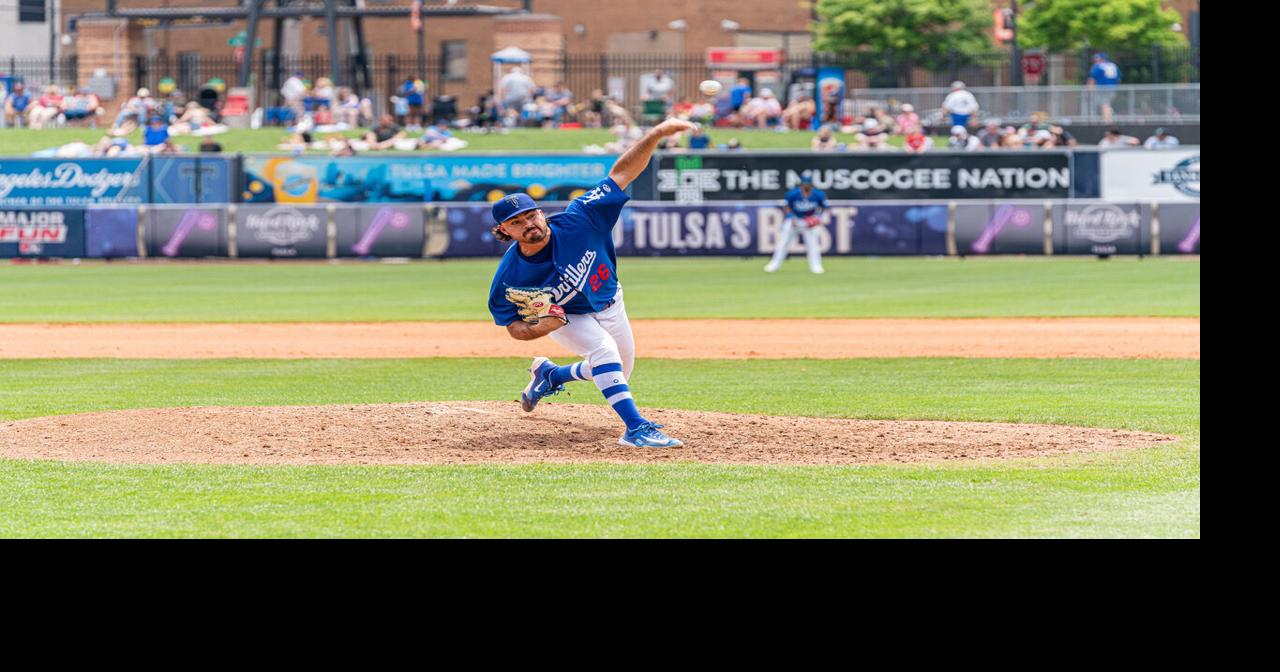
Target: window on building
(455, 60)
(31, 11)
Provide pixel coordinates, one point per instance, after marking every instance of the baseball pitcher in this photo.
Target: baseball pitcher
(560, 279)
(804, 208)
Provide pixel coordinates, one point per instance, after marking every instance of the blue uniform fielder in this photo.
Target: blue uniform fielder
(805, 206)
(560, 279)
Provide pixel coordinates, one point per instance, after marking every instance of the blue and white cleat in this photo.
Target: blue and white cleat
(648, 436)
(539, 386)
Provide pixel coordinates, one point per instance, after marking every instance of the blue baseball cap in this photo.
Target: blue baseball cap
(511, 205)
(806, 179)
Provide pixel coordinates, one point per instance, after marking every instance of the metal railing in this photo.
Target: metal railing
(1134, 103)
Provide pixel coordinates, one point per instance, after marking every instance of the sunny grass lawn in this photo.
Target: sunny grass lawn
(655, 288)
(1153, 492)
(20, 142)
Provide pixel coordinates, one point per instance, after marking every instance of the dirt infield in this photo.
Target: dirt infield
(487, 432)
(1162, 338)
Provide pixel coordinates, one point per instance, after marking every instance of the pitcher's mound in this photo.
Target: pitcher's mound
(485, 431)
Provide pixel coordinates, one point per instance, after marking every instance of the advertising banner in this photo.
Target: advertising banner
(729, 229)
(111, 232)
(418, 179)
(41, 232)
(190, 179)
(695, 178)
(187, 232)
(1151, 175)
(1099, 228)
(1179, 228)
(71, 182)
(829, 98)
(383, 231)
(1005, 228)
(282, 231)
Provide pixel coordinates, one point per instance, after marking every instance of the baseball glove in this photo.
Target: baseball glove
(812, 220)
(534, 303)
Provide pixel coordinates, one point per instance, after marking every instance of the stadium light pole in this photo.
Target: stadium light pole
(1015, 67)
(53, 48)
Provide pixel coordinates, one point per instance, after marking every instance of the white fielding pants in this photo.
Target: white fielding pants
(600, 338)
(791, 228)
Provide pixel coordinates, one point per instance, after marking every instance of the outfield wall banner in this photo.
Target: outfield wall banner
(656, 229)
(695, 178)
(1151, 175)
(1179, 228)
(382, 231)
(191, 179)
(999, 228)
(1100, 228)
(42, 232)
(282, 231)
(110, 232)
(71, 182)
(418, 179)
(187, 232)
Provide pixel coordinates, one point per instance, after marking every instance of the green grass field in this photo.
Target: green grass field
(1142, 493)
(655, 288)
(24, 141)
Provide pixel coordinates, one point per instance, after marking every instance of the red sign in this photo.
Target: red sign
(1033, 64)
(740, 58)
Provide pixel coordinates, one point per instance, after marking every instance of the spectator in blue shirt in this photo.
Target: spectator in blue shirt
(699, 139)
(156, 134)
(740, 93)
(16, 104)
(1104, 76)
(412, 93)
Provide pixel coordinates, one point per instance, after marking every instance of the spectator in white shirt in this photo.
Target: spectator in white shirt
(960, 104)
(1161, 140)
(962, 141)
(515, 90)
(1114, 138)
(294, 90)
(763, 110)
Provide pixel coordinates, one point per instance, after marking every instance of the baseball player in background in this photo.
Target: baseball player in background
(560, 279)
(804, 215)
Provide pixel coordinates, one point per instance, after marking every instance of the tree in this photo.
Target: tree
(1066, 25)
(929, 33)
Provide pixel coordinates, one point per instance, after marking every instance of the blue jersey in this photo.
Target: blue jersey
(803, 207)
(1105, 73)
(578, 266)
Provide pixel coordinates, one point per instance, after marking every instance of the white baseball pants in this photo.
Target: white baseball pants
(813, 250)
(600, 338)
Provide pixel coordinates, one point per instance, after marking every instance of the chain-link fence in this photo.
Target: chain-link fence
(1136, 103)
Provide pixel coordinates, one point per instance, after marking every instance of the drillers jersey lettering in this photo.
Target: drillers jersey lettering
(803, 207)
(578, 265)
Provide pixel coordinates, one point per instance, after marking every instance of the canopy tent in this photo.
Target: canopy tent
(511, 55)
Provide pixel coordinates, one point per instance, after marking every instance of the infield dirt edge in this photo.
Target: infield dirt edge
(488, 432)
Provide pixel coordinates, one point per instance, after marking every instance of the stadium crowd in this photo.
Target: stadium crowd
(320, 116)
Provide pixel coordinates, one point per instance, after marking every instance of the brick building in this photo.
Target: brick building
(568, 39)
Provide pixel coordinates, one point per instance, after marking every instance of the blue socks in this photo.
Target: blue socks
(567, 373)
(611, 383)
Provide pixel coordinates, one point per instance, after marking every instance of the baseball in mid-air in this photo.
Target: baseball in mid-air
(710, 87)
